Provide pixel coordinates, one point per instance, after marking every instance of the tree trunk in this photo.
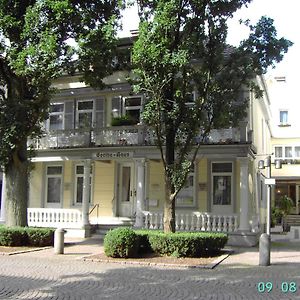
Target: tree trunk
(169, 209)
(16, 188)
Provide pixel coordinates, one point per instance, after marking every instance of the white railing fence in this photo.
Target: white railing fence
(195, 221)
(54, 217)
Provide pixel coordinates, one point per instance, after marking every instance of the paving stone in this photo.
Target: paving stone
(43, 275)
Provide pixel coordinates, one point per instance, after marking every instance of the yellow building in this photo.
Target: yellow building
(87, 171)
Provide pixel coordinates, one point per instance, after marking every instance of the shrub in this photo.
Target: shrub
(40, 237)
(13, 236)
(143, 240)
(121, 242)
(187, 244)
(25, 236)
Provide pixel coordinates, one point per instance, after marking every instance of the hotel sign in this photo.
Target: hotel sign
(113, 155)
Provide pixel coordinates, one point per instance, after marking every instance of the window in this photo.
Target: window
(130, 106)
(288, 152)
(79, 172)
(56, 116)
(186, 196)
(54, 185)
(222, 183)
(278, 152)
(283, 117)
(85, 113)
(297, 151)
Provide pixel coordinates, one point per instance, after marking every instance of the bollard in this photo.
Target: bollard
(264, 249)
(59, 237)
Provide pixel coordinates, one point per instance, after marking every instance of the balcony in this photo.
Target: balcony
(135, 135)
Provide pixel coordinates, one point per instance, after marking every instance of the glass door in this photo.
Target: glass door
(126, 190)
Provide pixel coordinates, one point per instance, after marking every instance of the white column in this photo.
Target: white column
(2, 216)
(140, 192)
(86, 194)
(244, 194)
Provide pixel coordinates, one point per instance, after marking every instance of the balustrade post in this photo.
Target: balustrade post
(214, 227)
(208, 223)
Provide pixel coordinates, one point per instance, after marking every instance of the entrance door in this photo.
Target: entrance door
(126, 190)
(221, 188)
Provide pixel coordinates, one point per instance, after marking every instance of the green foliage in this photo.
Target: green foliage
(40, 237)
(276, 216)
(122, 121)
(25, 236)
(126, 242)
(40, 41)
(35, 48)
(181, 49)
(13, 236)
(285, 204)
(121, 242)
(187, 244)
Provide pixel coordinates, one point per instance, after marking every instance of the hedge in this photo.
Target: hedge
(26, 236)
(121, 242)
(130, 243)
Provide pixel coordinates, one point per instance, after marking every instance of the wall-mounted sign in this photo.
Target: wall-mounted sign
(113, 155)
(202, 186)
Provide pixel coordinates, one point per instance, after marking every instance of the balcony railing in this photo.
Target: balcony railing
(136, 135)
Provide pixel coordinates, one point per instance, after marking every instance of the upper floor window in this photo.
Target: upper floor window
(56, 116)
(130, 106)
(283, 117)
(85, 113)
(287, 151)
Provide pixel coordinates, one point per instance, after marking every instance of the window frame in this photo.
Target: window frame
(82, 111)
(48, 176)
(62, 113)
(222, 173)
(283, 122)
(76, 176)
(182, 204)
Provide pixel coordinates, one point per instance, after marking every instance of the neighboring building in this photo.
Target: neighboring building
(88, 171)
(285, 140)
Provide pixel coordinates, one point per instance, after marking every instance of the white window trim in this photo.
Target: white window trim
(293, 146)
(281, 123)
(93, 111)
(75, 203)
(183, 205)
(60, 204)
(221, 174)
(55, 114)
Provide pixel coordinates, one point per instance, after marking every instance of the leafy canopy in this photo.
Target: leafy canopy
(40, 41)
(181, 51)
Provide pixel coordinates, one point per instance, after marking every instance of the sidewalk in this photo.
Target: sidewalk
(283, 251)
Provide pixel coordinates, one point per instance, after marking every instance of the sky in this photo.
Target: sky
(285, 14)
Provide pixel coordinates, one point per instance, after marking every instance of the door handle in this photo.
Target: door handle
(134, 192)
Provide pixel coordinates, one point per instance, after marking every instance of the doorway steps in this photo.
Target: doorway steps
(290, 220)
(100, 230)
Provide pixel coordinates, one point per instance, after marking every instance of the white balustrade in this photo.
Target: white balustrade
(54, 217)
(196, 221)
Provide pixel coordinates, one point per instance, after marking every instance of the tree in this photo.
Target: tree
(182, 49)
(39, 41)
